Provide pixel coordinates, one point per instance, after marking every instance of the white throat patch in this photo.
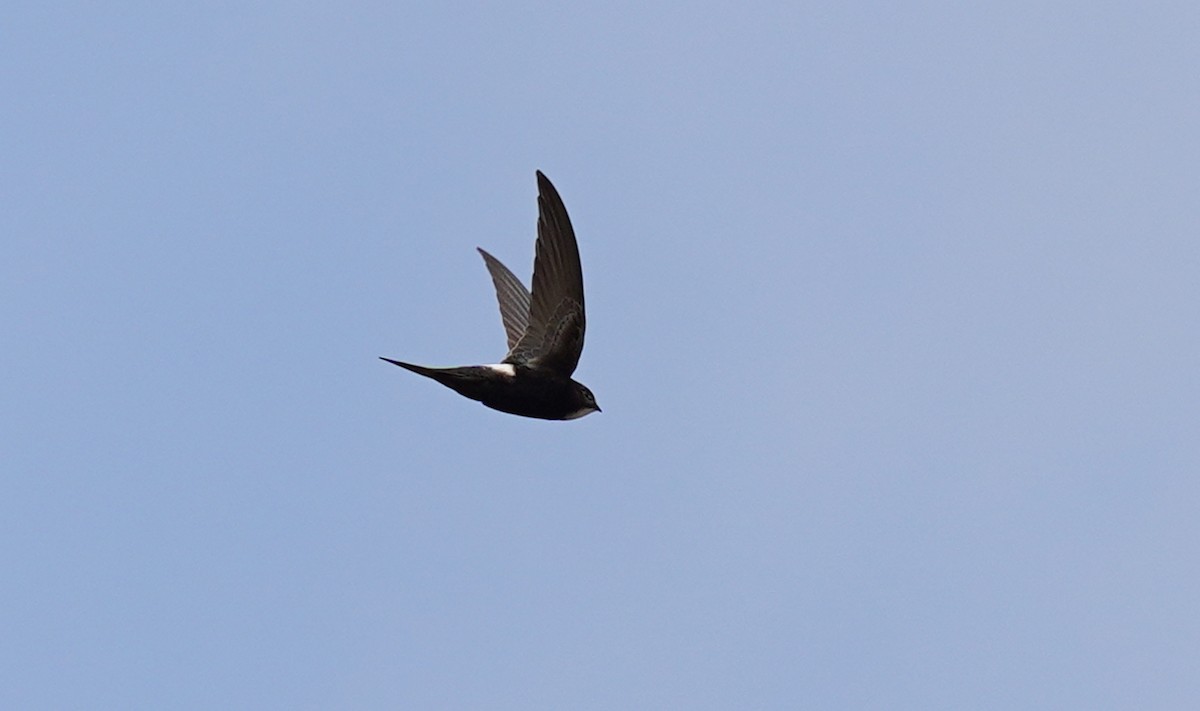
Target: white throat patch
(503, 369)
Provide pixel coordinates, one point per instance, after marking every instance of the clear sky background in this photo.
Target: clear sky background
(892, 313)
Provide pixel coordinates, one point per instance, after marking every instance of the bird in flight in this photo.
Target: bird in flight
(544, 328)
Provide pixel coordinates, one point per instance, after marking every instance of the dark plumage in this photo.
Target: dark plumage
(544, 328)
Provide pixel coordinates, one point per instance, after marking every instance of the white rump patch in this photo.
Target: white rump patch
(503, 369)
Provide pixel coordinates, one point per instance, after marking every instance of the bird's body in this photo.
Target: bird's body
(545, 329)
(517, 390)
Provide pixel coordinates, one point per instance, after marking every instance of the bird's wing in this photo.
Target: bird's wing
(554, 336)
(513, 298)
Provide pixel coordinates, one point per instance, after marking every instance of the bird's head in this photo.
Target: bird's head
(584, 400)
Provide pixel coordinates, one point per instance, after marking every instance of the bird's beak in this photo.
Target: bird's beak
(597, 407)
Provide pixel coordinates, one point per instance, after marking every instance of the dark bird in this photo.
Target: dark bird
(544, 328)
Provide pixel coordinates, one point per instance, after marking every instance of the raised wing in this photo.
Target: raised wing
(553, 338)
(513, 298)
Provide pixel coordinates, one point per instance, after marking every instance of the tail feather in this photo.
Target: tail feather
(467, 381)
(450, 377)
(418, 369)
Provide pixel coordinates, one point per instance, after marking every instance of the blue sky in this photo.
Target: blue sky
(892, 313)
